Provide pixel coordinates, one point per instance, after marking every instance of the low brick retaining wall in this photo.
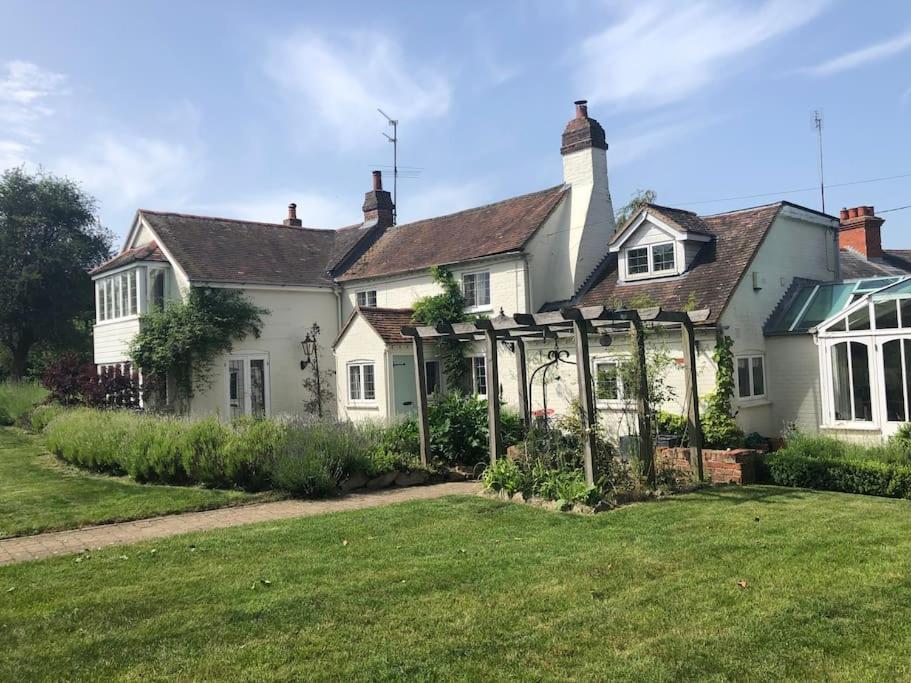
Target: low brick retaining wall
(736, 466)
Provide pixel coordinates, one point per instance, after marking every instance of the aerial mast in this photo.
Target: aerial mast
(817, 122)
(394, 139)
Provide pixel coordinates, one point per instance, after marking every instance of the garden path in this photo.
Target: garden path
(26, 548)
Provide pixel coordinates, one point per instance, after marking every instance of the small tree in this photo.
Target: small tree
(638, 199)
(50, 238)
(183, 338)
(446, 307)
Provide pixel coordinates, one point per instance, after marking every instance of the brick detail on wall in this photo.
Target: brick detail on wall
(720, 467)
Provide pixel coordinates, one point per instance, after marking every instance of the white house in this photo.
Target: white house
(549, 248)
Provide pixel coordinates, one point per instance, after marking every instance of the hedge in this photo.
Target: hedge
(868, 477)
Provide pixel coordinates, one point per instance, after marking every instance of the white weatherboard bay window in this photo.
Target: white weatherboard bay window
(654, 259)
(608, 382)
(361, 382)
(476, 289)
(117, 296)
(366, 298)
(479, 375)
(750, 377)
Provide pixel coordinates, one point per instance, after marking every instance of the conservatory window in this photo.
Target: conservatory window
(905, 306)
(886, 313)
(859, 319)
(116, 296)
(897, 375)
(851, 393)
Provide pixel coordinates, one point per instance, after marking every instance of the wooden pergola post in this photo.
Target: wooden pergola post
(420, 374)
(693, 420)
(493, 396)
(586, 392)
(646, 447)
(522, 375)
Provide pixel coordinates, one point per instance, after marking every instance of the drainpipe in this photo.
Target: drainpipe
(837, 252)
(528, 293)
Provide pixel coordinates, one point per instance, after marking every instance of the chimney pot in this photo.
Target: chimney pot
(377, 180)
(581, 109)
(292, 219)
(852, 212)
(292, 210)
(844, 214)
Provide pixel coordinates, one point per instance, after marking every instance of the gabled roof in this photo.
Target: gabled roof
(679, 220)
(709, 281)
(489, 230)
(147, 252)
(386, 322)
(224, 250)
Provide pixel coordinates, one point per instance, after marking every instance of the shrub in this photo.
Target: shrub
(250, 451)
(719, 430)
(459, 431)
(506, 475)
(17, 398)
(789, 468)
(202, 452)
(671, 424)
(72, 381)
(156, 451)
(94, 439)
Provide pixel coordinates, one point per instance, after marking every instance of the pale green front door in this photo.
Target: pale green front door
(404, 393)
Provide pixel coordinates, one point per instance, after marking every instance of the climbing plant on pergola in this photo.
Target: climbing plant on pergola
(578, 324)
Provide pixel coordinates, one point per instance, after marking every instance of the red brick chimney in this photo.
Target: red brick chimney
(292, 218)
(378, 206)
(860, 230)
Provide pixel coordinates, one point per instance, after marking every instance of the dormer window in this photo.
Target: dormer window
(656, 259)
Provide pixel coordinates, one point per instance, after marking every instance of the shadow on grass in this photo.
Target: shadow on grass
(752, 493)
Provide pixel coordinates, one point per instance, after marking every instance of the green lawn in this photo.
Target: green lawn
(476, 589)
(38, 493)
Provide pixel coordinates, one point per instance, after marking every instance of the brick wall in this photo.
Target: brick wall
(720, 467)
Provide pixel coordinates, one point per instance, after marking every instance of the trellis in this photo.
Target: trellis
(578, 324)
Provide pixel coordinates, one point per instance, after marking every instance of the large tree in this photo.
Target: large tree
(50, 238)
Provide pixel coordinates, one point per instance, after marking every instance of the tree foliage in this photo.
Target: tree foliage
(637, 199)
(446, 307)
(183, 338)
(50, 238)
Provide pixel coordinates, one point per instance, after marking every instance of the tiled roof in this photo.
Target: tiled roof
(483, 231)
(710, 280)
(685, 220)
(246, 252)
(387, 322)
(856, 265)
(147, 252)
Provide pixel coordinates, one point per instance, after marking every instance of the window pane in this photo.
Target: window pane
(354, 382)
(258, 387)
(895, 380)
(432, 372)
(841, 383)
(483, 289)
(758, 376)
(116, 290)
(133, 293)
(663, 257)
(109, 294)
(886, 315)
(637, 261)
(860, 382)
(479, 367)
(236, 387)
(125, 294)
(468, 289)
(905, 306)
(369, 386)
(102, 312)
(859, 319)
(607, 387)
(371, 298)
(743, 377)
(361, 298)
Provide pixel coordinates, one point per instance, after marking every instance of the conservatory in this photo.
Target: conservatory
(863, 338)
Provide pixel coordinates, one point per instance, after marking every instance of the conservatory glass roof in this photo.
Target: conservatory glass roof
(812, 304)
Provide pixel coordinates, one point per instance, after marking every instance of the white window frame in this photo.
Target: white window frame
(367, 294)
(620, 401)
(650, 272)
(750, 397)
(874, 365)
(361, 398)
(246, 357)
(476, 307)
(475, 362)
(113, 291)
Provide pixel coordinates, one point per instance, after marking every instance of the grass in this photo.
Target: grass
(474, 589)
(38, 493)
(18, 397)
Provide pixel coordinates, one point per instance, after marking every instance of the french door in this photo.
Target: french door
(247, 385)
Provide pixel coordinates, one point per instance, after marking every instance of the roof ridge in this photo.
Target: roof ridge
(748, 208)
(670, 208)
(384, 309)
(244, 221)
(482, 206)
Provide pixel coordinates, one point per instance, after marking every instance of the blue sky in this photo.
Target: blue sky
(237, 108)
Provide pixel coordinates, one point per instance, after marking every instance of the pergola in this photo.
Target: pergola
(577, 323)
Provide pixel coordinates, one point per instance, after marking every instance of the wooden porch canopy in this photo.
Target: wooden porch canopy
(577, 323)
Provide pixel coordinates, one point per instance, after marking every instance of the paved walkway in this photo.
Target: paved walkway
(25, 548)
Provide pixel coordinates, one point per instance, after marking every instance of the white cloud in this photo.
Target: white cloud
(867, 55)
(337, 86)
(661, 51)
(12, 153)
(26, 91)
(649, 136)
(125, 171)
